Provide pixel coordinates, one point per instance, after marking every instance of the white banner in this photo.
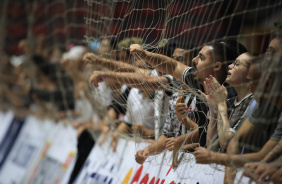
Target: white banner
(42, 153)
(56, 157)
(5, 122)
(105, 167)
(45, 153)
(26, 148)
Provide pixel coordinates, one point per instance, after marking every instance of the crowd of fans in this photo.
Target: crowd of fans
(220, 102)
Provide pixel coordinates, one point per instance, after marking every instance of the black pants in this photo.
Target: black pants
(85, 143)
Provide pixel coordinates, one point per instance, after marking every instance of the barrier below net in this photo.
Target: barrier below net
(105, 166)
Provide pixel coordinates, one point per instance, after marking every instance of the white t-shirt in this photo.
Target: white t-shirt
(102, 97)
(139, 110)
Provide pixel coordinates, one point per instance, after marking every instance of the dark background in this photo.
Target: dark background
(189, 22)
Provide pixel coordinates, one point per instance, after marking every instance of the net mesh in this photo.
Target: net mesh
(43, 73)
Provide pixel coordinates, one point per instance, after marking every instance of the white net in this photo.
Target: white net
(125, 68)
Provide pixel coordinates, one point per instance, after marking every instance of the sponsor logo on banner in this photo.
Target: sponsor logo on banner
(127, 177)
(103, 175)
(145, 179)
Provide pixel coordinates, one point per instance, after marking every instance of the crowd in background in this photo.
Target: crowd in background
(218, 101)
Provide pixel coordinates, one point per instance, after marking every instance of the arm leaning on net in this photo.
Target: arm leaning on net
(110, 64)
(239, 160)
(232, 159)
(205, 156)
(264, 169)
(242, 135)
(142, 130)
(160, 62)
(176, 149)
(189, 142)
(140, 80)
(273, 154)
(155, 148)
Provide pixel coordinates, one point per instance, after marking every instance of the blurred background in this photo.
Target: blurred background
(42, 43)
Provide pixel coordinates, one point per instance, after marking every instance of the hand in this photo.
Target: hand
(265, 172)
(137, 129)
(141, 156)
(277, 177)
(203, 155)
(218, 92)
(169, 143)
(250, 168)
(114, 141)
(91, 58)
(260, 172)
(137, 51)
(95, 78)
(180, 109)
(176, 147)
(207, 95)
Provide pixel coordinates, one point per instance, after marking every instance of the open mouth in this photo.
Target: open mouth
(195, 69)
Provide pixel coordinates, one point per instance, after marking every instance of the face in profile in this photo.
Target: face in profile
(203, 64)
(238, 71)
